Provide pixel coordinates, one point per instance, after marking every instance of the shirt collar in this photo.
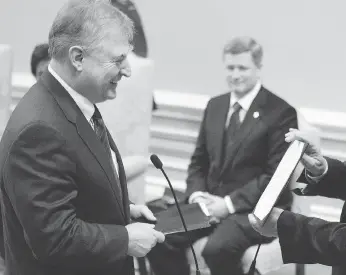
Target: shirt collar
(82, 102)
(246, 101)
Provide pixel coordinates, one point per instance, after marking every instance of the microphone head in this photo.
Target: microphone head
(156, 161)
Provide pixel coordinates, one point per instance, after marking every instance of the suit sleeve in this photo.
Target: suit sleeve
(2, 241)
(199, 164)
(244, 199)
(311, 240)
(40, 182)
(333, 184)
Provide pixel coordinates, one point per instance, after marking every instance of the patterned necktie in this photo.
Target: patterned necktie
(231, 130)
(101, 132)
(234, 122)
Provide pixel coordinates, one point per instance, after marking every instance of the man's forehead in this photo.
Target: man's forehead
(241, 58)
(115, 48)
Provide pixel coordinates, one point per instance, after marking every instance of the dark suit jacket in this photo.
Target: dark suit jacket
(61, 205)
(312, 240)
(253, 156)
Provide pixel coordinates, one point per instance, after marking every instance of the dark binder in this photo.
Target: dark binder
(169, 222)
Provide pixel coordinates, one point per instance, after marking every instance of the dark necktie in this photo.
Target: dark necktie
(231, 130)
(101, 132)
(234, 122)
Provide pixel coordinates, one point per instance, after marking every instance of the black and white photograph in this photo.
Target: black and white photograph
(159, 137)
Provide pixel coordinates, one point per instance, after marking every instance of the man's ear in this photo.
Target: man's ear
(76, 57)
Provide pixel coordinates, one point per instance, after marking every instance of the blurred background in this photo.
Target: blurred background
(302, 40)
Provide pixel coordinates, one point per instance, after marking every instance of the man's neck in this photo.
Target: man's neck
(60, 70)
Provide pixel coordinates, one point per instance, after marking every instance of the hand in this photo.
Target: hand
(269, 228)
(214, 220)
(312, 159)
(217, 207)
(142, 238)
(202, 197)
(139, 210)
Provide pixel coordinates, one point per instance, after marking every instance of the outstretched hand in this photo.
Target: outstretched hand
(312, 159)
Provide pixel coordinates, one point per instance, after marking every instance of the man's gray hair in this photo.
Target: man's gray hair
(86, 23)
(242, 44)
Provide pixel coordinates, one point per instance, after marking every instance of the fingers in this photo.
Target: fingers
(295, 134)
(310, 162)
(308, 137)
(146, 213)
(316, 166)
(255, 225)
(203, 196)
(144, 225)
(252, 219)
(210, 207)
(197, 200)
(160, 237)
(214, 220)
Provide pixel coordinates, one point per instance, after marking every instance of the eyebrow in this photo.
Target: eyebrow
(123, 56)
(120, 57)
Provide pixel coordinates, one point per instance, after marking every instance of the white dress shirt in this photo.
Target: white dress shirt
(84, 105)
(245, 103)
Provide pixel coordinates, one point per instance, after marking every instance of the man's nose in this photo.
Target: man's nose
(235, 74)
(126, 69)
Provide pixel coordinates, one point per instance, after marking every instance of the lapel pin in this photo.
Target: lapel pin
(256, 114)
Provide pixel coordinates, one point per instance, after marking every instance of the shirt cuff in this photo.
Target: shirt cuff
(312, 179)
(195, 195)
(229, 204)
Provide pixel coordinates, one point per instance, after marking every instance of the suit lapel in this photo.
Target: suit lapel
(97, 149)
(249, 124)
(84, 129)
(219, 126)
(122, 174)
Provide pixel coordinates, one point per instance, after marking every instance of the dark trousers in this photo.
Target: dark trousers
(226, 245)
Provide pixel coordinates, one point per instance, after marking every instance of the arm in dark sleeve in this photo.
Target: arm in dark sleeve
(2, 241)
(333, 184)
(40, 183)
(311, 240)
(199, 164)
(244, 199)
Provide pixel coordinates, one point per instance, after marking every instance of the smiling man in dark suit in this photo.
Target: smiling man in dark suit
(240, 144)
(65, 202)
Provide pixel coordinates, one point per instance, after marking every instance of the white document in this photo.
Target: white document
(287, 172)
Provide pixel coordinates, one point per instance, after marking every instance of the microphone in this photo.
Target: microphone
(158, 165)
(252, 268)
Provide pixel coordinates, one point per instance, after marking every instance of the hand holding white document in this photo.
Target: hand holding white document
(287, 172)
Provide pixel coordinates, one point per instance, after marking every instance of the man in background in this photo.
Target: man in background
(239, 146)
(140, 45)
(39, 60)
(64, 201)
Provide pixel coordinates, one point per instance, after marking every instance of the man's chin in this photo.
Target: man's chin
(241, 91)
(111, 94)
